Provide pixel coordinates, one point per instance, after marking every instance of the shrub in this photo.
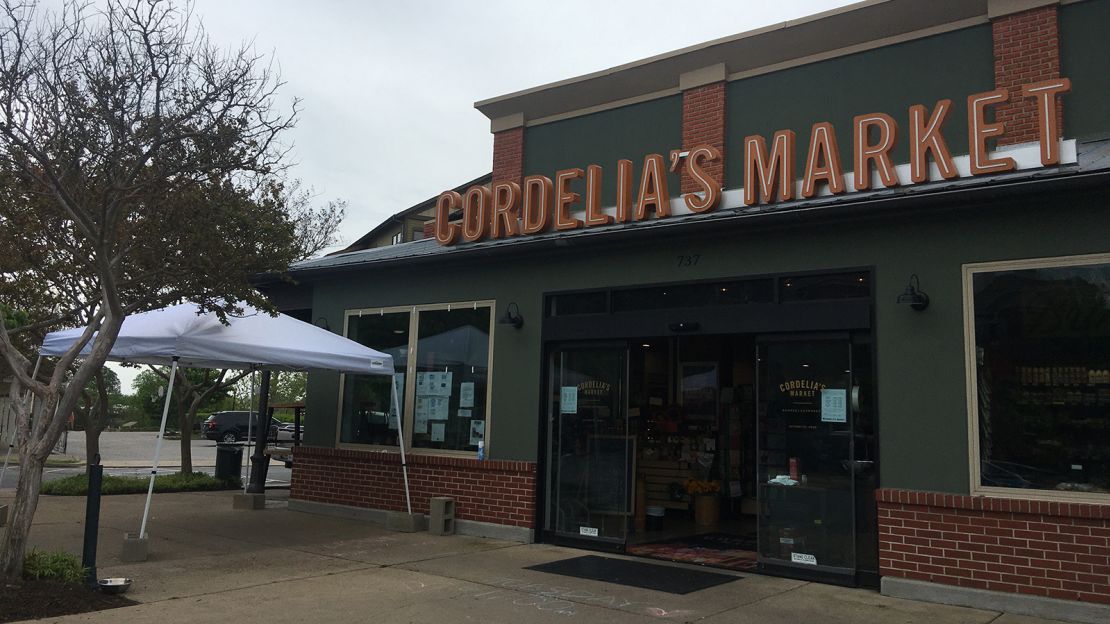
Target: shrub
(78, 485)
(52, 566)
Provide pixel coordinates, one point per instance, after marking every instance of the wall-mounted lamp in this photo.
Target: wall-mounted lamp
(913, 296)
(512, 316)
(322, 323)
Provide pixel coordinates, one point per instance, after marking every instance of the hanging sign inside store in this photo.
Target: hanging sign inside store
(541, 204)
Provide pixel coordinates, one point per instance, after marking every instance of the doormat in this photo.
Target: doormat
(734, 552)
(635, 574)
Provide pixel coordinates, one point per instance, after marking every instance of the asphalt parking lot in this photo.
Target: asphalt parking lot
(127, 453)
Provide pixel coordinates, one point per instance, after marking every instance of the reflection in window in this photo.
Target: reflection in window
(365, 418)
(452, 360)
(1042, 339)
(694, 295)
(828, 286)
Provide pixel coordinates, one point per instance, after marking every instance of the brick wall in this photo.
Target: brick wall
(1026, 50)
(501, 492)
(508, 155)
(703, 123)
(1058, 550)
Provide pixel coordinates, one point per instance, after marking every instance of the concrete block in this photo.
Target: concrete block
(134, 548)
(405, 523)
(442, 514)
(249, 501)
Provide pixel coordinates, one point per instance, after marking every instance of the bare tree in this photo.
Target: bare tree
(139, 166)
(195, 390)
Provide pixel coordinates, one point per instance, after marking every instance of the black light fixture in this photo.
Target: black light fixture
(512, 316)
(913, 296)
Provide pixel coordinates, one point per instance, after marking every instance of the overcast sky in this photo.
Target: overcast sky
(388, 88)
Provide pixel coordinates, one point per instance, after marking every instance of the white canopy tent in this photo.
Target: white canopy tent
(179, 336)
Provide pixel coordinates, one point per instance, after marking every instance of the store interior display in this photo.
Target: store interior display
(691, 409)
(1043, 378)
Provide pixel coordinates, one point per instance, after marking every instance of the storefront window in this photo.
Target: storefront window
(441, 354)
(365, 417)
(1042, 366)
(452, 360)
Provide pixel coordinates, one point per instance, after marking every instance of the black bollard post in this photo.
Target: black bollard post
(260, 461)
(92, 521)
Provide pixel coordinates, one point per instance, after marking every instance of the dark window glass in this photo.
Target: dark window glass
(452, 361)
(693, 295)
(578, 303)
(828, 286)
(749, 291)
(1042, 339)
(366, 415)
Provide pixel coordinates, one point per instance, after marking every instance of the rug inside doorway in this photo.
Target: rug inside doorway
(734, 552)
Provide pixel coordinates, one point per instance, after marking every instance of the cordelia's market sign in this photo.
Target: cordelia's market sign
(540, 203)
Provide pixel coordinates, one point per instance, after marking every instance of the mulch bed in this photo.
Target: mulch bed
(25, 600)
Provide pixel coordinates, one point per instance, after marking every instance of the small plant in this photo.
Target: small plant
(51, 565)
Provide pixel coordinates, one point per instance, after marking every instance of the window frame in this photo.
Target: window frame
(409, 397)
(972, 383)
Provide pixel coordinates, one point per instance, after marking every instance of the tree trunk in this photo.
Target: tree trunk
(20, 514)
(92, 440)
(185, 422)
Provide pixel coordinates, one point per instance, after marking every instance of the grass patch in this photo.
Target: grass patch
(52, 565)
(78, 485)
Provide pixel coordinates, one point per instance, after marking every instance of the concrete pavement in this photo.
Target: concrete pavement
(210, 563)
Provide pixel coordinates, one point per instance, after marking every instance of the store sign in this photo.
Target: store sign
(540, 204)
(801, 388)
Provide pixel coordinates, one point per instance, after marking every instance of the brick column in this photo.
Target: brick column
(1026, 50)
(508, 148)
(703, 117)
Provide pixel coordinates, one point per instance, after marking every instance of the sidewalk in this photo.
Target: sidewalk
(210, 563)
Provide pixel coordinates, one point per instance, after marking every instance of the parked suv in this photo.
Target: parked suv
(231, 427)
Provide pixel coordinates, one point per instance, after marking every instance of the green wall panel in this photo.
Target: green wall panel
(629, 132)
(888, 80)
(1084, 50)
(920, 356)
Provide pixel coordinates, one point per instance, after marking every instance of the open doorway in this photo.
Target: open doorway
(692, 408)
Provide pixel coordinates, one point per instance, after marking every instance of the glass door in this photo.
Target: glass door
(805, 467)
(591, 454)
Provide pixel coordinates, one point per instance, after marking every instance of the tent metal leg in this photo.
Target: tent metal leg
(401, 440)
(158, 447)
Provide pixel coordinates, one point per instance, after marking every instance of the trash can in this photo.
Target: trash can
(229, 461)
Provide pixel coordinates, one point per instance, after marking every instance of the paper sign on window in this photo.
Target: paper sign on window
(420, 415)
(438, 431)
(466, 394)
(477, 431)
(568, 400)
(834, 405)
(803, 558)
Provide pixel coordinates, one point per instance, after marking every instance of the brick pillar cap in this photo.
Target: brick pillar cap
(702, 77)
(1002, 8)
(508, 122)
